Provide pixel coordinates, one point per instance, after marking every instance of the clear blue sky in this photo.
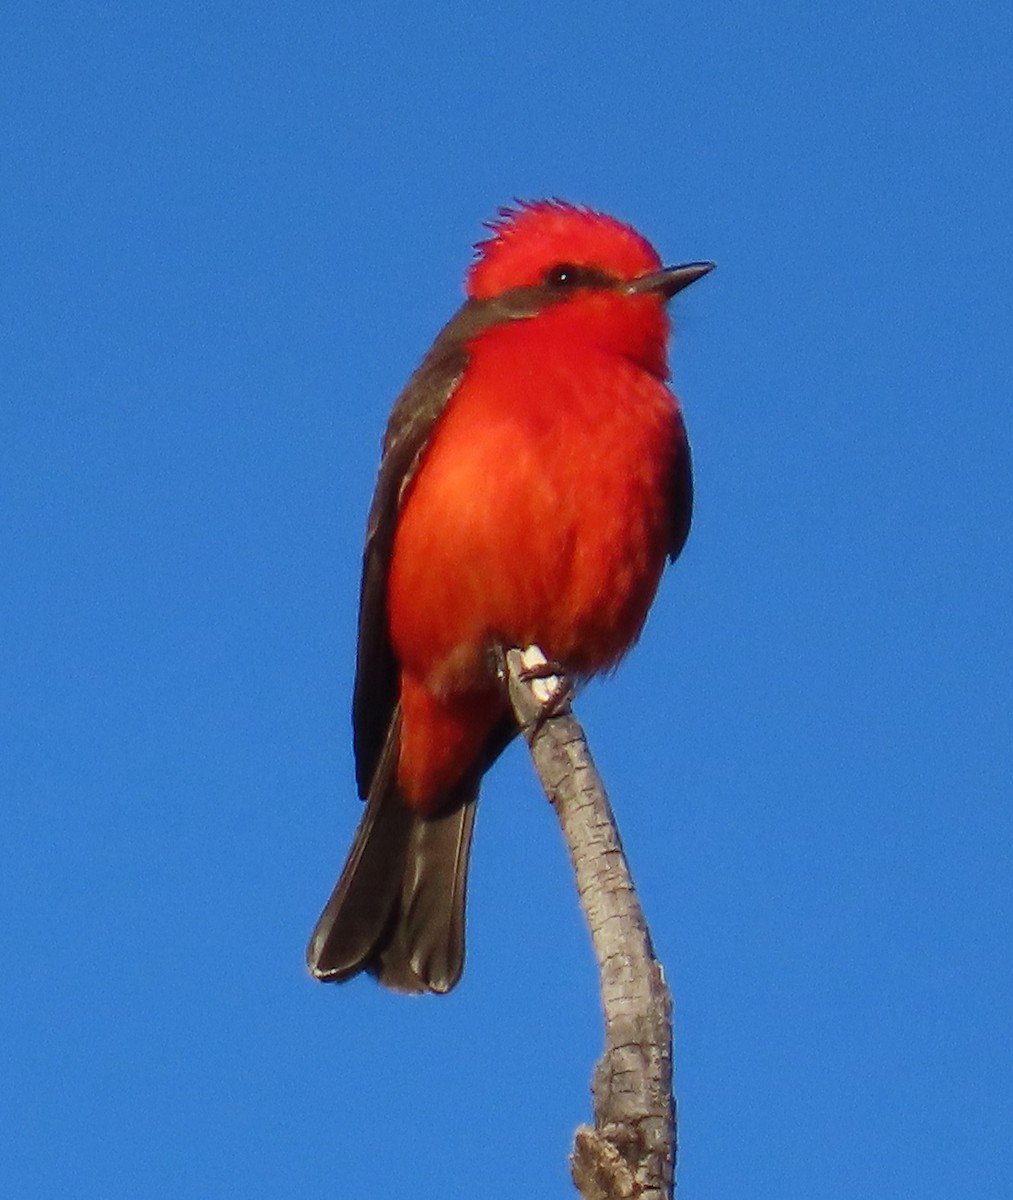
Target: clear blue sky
(230, 232)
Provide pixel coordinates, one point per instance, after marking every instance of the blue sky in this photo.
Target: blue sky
(230, 234)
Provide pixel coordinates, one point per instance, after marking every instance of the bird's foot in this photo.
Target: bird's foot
(549, 683)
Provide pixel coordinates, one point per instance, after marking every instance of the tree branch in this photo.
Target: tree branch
(630, 1152)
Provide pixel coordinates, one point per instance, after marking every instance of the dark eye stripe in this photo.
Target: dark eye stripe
(565, 275)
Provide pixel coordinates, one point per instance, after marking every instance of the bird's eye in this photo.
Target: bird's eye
(563, 275)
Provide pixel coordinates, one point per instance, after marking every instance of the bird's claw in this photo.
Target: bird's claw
(549, 683)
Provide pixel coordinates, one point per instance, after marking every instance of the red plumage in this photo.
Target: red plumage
(535, 477)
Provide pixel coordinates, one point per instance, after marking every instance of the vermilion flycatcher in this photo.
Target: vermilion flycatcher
(535, 476)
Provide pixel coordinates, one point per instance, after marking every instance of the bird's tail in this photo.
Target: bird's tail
(398, 908)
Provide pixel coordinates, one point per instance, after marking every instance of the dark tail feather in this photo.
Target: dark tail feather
(398, 908)
(424, 951)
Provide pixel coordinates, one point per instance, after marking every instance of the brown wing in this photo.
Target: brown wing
(409, 429)
(408, 432)
(680, 495)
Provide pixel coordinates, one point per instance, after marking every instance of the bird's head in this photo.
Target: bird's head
(584, 275)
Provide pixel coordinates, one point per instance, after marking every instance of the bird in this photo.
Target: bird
(534, 480)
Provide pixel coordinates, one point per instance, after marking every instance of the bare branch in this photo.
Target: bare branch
(630, 1152)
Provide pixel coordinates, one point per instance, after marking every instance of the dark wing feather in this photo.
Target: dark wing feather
(680, 494)
(408, 432)
(409, 429)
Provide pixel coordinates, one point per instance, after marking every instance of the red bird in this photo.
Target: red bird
(535, 477)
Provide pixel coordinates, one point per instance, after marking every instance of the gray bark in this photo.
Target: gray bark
(630, 1151)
